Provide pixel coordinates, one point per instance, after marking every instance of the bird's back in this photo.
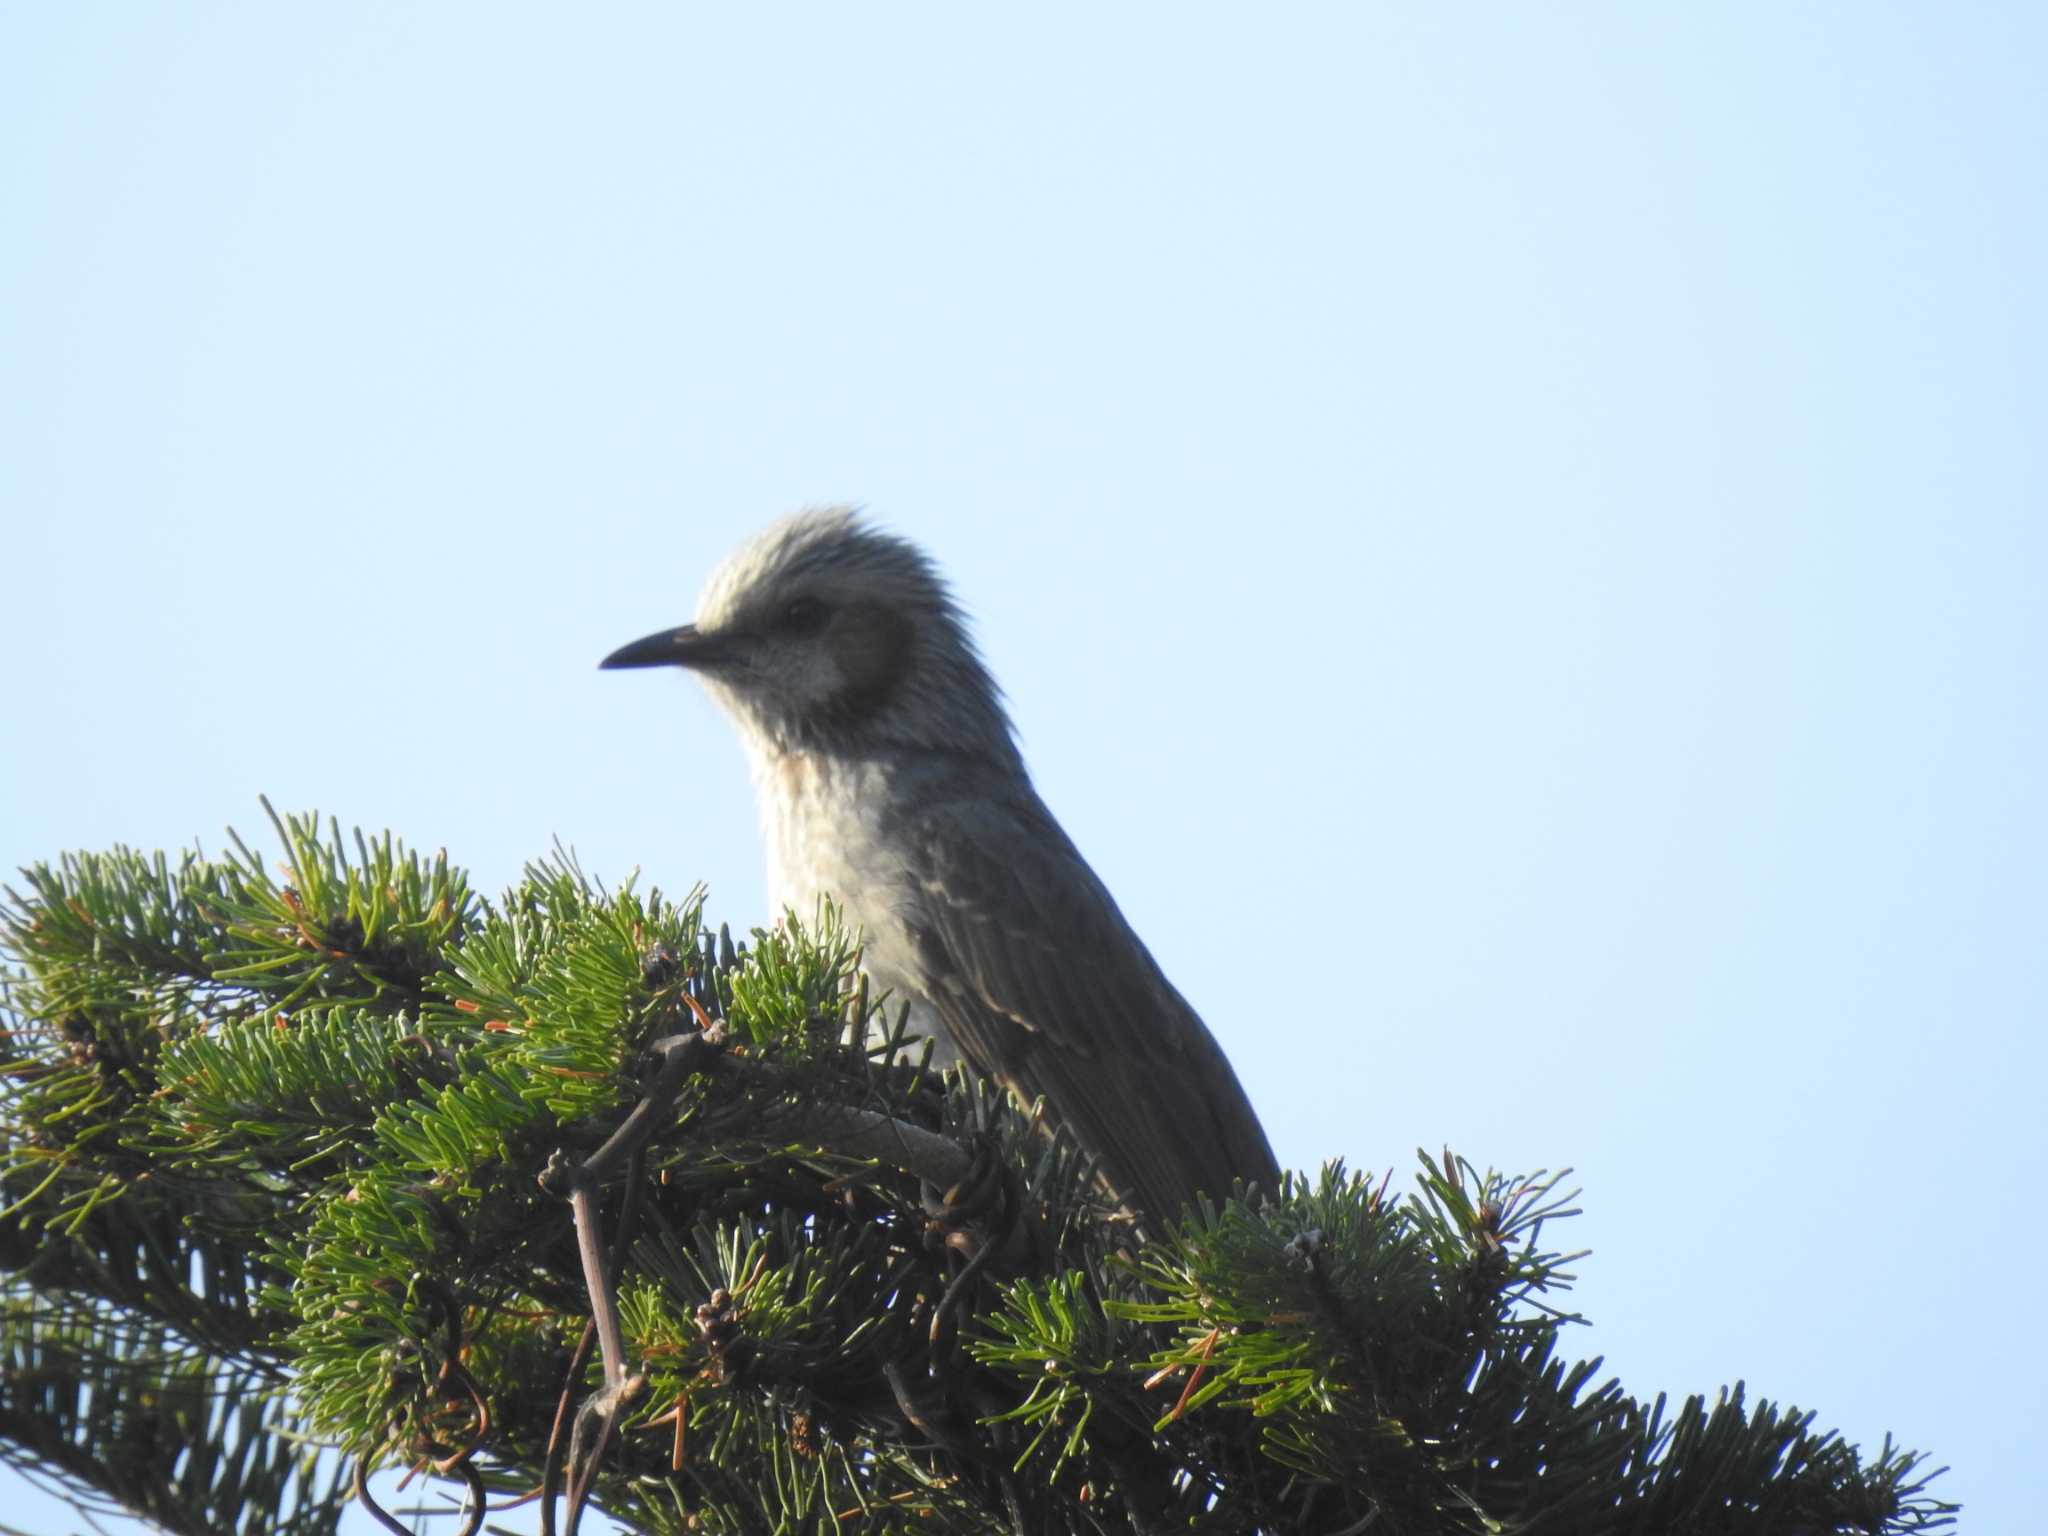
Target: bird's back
(1027, 964)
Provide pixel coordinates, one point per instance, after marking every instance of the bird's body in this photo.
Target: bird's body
(889, 781)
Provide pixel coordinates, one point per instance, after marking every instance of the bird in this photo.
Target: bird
(889, 780)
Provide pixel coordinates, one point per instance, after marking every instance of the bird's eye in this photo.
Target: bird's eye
(803, 616)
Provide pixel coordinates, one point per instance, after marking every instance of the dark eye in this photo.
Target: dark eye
(802, 616)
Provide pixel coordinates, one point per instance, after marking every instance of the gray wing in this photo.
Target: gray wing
(1043, 986)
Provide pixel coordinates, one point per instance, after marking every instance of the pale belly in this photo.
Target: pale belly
(822, 841)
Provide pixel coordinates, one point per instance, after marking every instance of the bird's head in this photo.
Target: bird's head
(823, 634)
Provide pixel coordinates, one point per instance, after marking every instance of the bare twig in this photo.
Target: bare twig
(868, 1134)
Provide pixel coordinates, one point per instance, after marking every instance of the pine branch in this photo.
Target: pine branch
(292, 1130)
(117, 1409)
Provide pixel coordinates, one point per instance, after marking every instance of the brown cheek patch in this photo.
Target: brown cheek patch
(872, 646)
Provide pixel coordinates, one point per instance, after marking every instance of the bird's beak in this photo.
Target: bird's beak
(684, 647)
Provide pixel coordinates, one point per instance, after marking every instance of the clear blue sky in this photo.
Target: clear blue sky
(1515, 543)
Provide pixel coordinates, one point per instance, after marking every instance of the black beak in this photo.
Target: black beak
(683, 647)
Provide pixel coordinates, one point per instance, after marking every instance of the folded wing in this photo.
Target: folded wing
(1043, 986)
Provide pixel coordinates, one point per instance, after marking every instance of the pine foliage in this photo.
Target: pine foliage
(271, 1184)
